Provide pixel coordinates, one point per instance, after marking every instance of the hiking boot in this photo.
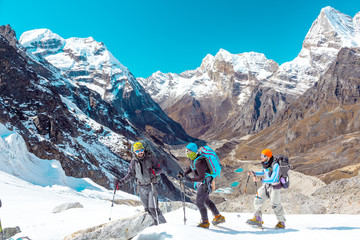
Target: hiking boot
(280, 225)
(204, 224)
(218, 219)
(255, 221)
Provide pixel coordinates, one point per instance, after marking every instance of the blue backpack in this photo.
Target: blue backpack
(212, 161)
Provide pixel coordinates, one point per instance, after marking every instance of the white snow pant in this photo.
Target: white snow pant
(268, 192)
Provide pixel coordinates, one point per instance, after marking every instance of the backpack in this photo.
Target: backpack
(283, 162)
(212, 161)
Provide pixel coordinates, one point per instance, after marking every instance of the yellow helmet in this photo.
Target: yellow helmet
(137, 146)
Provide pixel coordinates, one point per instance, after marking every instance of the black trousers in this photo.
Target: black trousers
(203, 201)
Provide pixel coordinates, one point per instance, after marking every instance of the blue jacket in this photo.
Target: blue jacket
(271, 174)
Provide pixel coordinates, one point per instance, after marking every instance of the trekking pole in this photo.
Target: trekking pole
(182, 187)
(112, 204)
(155, 205)
(2, 234)
(247, 180)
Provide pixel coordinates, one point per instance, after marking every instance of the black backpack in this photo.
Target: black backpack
(283, 162)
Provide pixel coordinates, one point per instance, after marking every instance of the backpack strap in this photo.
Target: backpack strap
(192, 165)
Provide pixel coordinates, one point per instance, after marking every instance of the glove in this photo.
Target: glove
(151, 171)
(180, 175)
(117, 184)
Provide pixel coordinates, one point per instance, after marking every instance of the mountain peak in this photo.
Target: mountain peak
(206, 62)
(42, 41)
(332, 29)
(356, 21)
(9, 34)
(329, 10)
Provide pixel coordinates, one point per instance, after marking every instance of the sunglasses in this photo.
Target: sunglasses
(139, 151)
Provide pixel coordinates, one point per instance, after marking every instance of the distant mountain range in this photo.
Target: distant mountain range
(307, 108)
(232, 95)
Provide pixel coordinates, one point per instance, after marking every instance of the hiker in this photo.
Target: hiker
(145, 168)
(199, 167)
(269, 190)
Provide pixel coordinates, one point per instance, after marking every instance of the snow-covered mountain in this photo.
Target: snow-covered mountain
(88, 62)
(241, 93)
(91, 65)
(331, 31)
(60, 119)
(41, 106)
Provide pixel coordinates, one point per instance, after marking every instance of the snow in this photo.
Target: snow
(31, 188)
(197, 83)
(17, 161)
(30, 207)
(342, 24)
(82, 59)
(253, 62)
(35, 40)
(298, 227)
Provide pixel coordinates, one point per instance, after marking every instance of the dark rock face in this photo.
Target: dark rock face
(25, 102)
(9, 34)
(191, 114)
(221, 117)
(145, 113)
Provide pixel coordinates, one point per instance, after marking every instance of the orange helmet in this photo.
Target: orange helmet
(267, 152)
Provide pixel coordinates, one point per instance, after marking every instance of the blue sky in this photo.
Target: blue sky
(175, 35)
